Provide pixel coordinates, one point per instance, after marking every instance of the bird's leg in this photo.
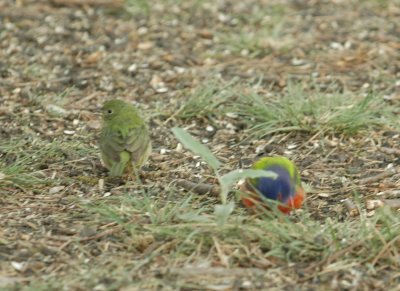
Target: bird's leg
(133, 173)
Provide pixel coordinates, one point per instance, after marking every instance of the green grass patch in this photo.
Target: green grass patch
(267, 31)
(245, 43)
(206, 100)
(26, 161)
(370, 241)
(316, 111)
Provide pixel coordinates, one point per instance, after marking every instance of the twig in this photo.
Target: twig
(384, 249)
(390, 151)
(351, 208)
(199, 188)
(378, 177)
(85, 99)
(68, 239)
(101, 234)
(223, 258)
(216, 271)
(174, 114)
(327, 261)
(374, 204)
(104, 3)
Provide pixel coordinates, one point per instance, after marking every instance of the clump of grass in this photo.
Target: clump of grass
(206, 100)
(245, 43)
(136, 7)
(145, 8)
(262, 14)
(371, 241)
(266, 34)
(313, 112)
(25, 160)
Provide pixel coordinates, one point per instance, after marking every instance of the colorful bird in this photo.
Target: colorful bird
(124, 140)
(285, 189)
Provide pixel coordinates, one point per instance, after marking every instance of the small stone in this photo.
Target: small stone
(145, 45)
(298, 62)
(59, 30)
(69, 132)
(336, 45)
(132, 68)
(231, 115)
(56, 111)
(370, 213)
(158, 84)
(210, 128)
(179, 147)
(260, 149)
(180, 70)
(142, 30)
(247, 284)
(244, 52)
(18, 266)
(161, 90)
(163, 151)
(117, 66)
(223, 17)
(55, 189)
(204, 33)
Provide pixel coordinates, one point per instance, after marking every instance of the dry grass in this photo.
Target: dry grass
(311, 80)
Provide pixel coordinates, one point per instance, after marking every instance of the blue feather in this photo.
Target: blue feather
(280, 189)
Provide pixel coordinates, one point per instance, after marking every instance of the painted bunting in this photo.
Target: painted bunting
(285, 189)
(124, 139)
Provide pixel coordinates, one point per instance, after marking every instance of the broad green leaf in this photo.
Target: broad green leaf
(226, 181)
(222, 212)
(189, 142)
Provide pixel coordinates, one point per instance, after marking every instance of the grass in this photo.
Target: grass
(145, 8)
(313, 112)
(184, 232)
(297, 110)
(267, 34)
(196, 238)
(27, 161)
(342, 245)
(181, 244)
(206, 100)
(148, 234)
(246, 43)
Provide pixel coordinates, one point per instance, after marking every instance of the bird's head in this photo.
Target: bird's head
(112, 108)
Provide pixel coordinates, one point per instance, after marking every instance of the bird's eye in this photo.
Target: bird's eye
(109, 111)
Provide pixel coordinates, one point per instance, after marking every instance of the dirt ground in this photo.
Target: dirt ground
(60, 60)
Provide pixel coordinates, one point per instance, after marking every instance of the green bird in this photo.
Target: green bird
(124, 139)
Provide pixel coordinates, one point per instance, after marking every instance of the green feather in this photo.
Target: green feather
(124, 137)
(266, 162)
